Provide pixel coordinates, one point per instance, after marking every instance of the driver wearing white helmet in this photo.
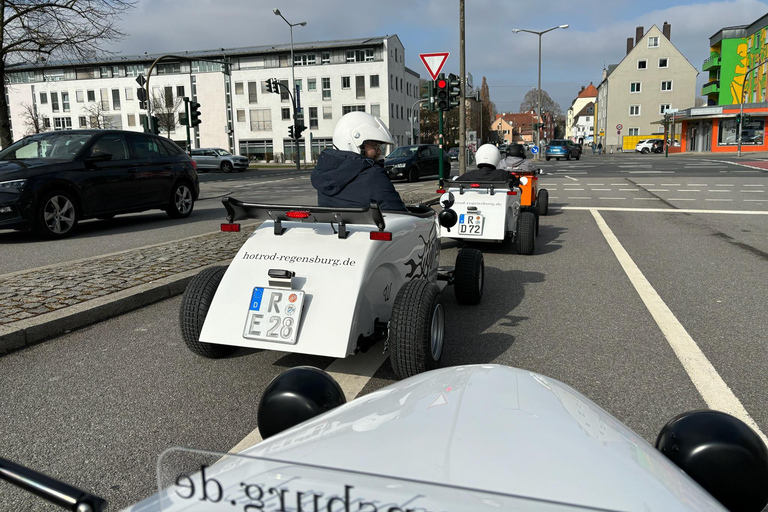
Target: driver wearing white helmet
(351, 175)
(487, 158)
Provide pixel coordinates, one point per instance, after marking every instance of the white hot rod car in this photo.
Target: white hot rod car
(330, 282)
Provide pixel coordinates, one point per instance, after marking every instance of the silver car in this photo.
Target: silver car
(217, 158)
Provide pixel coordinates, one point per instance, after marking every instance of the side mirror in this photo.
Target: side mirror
(447, 200)
(447, 218)
(295, 396)
(523, 180)
(722, 454)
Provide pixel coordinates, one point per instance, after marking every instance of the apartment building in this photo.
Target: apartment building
(586, 96)
(633, 96)
(237, 111)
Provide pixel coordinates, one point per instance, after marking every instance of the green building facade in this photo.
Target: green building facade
(734, 51)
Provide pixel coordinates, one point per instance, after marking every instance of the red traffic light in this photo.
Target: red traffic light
(442, 84)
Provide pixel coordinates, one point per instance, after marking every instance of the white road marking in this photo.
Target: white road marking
(724, 185)
(719, 190)
(696, 184)
(753, 191)
(629, 190)
(754, 200)
(352, 373)
(688, 190)
(574, 179)
(651, 172)
(612, 198)
(645, 184)
(617, 184)
(601, 189)
(718, 199)
(761, 170)
(578, 197)
(572, 189)
(658, 190)
(702, 373)
(665, 210)
(594, 184)
(680, 199)
(669, 184)
(752, 185)
(646, 199)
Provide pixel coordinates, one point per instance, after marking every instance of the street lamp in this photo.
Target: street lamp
(741, 106)
(516, 30)
(293, 81)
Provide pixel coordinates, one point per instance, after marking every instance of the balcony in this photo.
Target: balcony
(712, 87)
(713, 62)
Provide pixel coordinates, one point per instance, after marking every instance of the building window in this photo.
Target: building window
(390, 81)
(326, 88)
(79, 97)
(663, 62)
(325, 58)
(128, 93)
(642, 64)
(666, 85)
(346, 109)
(634, 87)
(376, 110)
(286, 114)
(304, 59)
(241, 115)
(297, 85)
(360, 87)
(313, 118)
(43, 98)
(46, 122)
(84, 122)
(311, 84)
(116, 99)
(633, 132)
(62, 123)
(653, 42)
(328, 112)
(252, 89)
(131, 119)
(391, 108)
(284, 96)
(663, 108)
(261, 119)
(374, 81)
(65, 101)
(634, 110)
(179, 91)
(345, 82)
(91, 96)
(238, 87)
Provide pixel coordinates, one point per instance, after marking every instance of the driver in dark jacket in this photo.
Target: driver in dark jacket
(352, 175)
(487, 158)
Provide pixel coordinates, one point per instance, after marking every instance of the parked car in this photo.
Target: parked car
(562, 148)
(453, 153)
(645, 146)
(413, 162)
(51, 181)
(217, 158)
(502, 148)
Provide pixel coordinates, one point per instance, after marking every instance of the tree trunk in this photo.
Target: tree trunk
(5, 121)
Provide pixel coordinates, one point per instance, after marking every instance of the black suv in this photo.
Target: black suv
(413, 162)
(51, 181)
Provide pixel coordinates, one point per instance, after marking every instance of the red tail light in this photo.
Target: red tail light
(381, 235)
(475, 185)
(440, 191)
(297, 214)
(194, 165)
(512, 192)
(230, 227)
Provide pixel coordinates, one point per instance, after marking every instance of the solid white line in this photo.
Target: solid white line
(352, 373)
(665, 210)
(702, 373)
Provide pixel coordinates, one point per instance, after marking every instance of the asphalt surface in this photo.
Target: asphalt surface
(96, 406)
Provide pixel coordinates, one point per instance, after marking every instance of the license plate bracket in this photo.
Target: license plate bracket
(274, 315)
(470, 224)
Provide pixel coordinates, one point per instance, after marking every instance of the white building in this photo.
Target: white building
(237, 112)
(586, 95)
(583, 126)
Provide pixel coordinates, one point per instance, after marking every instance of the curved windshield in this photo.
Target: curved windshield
(47, 146)
(557, 143)
(221, 152)
(404, 151)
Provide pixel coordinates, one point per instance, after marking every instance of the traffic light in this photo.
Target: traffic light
(299, 128)
(273, 85)
(155, 125)
(290, 132)
(442, 93)
(745, 119)
(194, 114)
(454, 91)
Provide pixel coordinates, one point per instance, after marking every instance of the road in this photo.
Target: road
(617, 301)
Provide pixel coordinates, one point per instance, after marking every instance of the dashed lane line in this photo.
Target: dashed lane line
(665, 210)
(712, 388)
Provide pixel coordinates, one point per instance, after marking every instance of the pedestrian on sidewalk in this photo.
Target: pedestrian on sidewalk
(600, 148)
(594, 148)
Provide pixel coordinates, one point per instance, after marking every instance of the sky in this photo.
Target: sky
(571, 58)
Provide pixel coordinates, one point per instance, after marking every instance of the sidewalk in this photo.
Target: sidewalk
(44, 302)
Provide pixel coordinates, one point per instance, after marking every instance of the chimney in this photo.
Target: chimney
(666, 30)
(639, 34)
(582, 89)
(630, 44)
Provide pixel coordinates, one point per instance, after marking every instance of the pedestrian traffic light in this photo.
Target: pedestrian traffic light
(290, 132)
(454, 91)
(194, 114)
(442, 93)
(738, 118)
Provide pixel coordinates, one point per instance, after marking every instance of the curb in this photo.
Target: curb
(29, 332)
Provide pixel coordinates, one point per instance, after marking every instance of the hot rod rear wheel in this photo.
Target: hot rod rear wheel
(542, 201)
(194, 308)
(469, 277)
(526, 232)
(416, 329)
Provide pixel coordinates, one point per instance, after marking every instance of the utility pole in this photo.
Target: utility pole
(462, 107)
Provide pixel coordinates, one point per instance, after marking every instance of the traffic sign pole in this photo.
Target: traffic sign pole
(440, 130)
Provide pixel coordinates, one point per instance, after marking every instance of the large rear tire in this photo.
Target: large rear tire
(194, 308)
(469, 277)
(542, 201)
(525, 240)
(416, 329)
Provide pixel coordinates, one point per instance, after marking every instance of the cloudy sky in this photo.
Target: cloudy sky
(570, 58)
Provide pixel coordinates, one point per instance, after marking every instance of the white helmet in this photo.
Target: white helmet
(357, 127)
(488, 154)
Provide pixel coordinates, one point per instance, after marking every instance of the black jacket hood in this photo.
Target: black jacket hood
(336, 169)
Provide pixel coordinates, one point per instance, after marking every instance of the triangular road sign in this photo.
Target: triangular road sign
(434, 62)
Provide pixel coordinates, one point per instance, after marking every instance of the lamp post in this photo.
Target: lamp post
(741, 109)
(293, 82)
(516, 30)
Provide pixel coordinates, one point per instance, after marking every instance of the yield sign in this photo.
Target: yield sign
(434, 62)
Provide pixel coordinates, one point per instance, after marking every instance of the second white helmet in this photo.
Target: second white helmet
(488, 154)
(355, 128)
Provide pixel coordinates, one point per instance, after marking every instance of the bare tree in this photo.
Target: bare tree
(33, 30)
(166, 112)
(531, 102)
(32, 119)
(98, 116)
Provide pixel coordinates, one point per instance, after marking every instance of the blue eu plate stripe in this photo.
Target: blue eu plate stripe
(256, 299)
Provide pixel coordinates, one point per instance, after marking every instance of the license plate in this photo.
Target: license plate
(470, 225)
(274, 315)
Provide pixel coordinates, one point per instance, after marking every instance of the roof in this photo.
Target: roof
(738, 31)
(612, 67)
(589, 92)
(583, 111)
(519, 119)
(210, 53)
